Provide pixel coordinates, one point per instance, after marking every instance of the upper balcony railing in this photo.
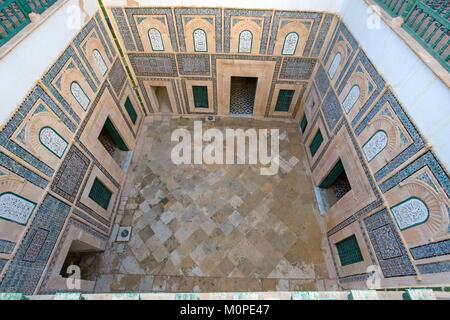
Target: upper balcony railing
(427, 21)
(15, 15)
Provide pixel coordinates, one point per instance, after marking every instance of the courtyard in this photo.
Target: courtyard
(215, 227)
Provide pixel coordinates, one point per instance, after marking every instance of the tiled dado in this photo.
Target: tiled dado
(63, 177)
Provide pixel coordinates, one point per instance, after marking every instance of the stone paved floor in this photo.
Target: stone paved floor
(216, 227)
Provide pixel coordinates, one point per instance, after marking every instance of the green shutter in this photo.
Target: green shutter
(200, 96)
(303, 123)
(117, 139)
(349, 251)
(130, 110)
(316, 142)
(284, 100)
(333, 175)
(100, 194)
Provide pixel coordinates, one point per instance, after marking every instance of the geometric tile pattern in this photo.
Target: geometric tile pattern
(431, 250)
(6, 246)
(70, 175)
(124, 31)
(435, 267)
(388, 246)
(321, 80)
(332, 110)
(117, 77)
(193, 64)
(297, 68)
(154, 65)
(34, 251)
(22, 171)
(323, 32)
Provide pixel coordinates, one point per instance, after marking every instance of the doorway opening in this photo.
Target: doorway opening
(83, 256)
(162, 96)
(242, 95)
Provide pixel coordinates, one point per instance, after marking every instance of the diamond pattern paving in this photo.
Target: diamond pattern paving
(216, 227)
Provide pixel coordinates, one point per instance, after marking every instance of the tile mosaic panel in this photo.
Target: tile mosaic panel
(193, 64)
(15, 208)
(71, 174)
(375, 145)
(37, 94)
(117, 77)
(55, 70)
(430, 250)
(21, 171)
(2, 264)
(361, 59)
(133, 13)
(342, 34)
(428, 160)
(91, 29)
(436, 267)
(311, 17)
(323, 33)
(53, 141)
(154, 65)
(418, 144)
(321, 80)
(28, 264)
(106, 35)
(297, 68)
(124, 29)
(204, 12)
(7, 246)
(332, 111)
(388, 246)
(410, 213)
(230, 13)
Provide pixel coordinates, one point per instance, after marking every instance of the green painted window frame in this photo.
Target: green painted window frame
(315, 143)
(284, 100)
(349, 251)
(332, 175)
(67, 144)
(284, 44)
(100, 194)
(239, 42)
(206, 40)
(200, 94)
(303, 123)
(130, 110)
(115, 135)
(151, 43)
(19, 196)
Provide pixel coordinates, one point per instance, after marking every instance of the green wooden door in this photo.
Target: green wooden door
(130, 110)
(284, 100)
(200, 96)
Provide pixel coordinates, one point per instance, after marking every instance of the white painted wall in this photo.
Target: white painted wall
(306, 5)
(25, 64)
(424, 96)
